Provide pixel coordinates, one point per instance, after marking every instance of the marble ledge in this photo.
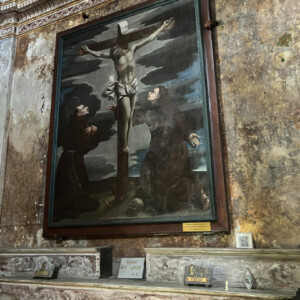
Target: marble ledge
(89, 263)
(142, 286)
(50, 251)
(282, 254)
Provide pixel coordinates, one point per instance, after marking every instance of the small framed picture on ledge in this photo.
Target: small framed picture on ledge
(244, 240)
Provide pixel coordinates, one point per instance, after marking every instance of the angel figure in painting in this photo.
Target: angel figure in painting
(126, 86)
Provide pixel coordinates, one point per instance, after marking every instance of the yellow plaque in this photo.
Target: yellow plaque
(42, 273)
(196, 279)
(200, 226)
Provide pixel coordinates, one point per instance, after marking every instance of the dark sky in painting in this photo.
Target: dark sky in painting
(161, 61)
(180, 51)
(172, 60)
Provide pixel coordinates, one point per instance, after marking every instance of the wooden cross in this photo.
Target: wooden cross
(131, 36)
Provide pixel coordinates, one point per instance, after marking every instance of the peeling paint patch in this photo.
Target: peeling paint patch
(285, 40)
(28, 134)
(24, 189)
(36, 53)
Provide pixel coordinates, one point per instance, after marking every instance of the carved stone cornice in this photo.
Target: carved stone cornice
(14, 22)
(18, 5)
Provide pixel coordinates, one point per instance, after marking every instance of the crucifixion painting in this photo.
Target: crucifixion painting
(126, 86)
(132, 144)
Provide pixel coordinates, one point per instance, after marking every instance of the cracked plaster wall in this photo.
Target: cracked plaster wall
(257, 54)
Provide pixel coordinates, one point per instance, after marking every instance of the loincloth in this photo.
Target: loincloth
(119, 90)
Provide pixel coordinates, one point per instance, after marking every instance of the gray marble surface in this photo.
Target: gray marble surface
(71, 263)
(112, 288)
(272, 269)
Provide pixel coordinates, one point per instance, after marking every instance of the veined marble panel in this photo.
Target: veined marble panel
(271, 268)
(90, 263)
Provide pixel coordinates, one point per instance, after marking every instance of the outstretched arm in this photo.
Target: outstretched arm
(86, 49)
(166, 25)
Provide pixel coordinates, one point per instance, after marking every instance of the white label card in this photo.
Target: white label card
(132, 268)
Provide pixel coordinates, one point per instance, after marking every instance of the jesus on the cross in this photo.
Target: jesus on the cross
(126, 86)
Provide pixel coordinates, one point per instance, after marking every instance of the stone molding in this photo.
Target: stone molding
(282, 254)
(16, 21)
(48, 251)
(117, 288)
(18, 5)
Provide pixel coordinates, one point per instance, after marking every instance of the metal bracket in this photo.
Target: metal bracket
(210, 24)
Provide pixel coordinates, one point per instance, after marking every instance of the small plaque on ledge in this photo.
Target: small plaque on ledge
(45, 269)
(132, 268)
(195, 275)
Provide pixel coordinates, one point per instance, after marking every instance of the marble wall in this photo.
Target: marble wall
(257, 57)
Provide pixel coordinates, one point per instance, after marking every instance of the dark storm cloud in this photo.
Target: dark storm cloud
(177, 93)
(184, 15)
(83, 36)
(178, 54)
(170, 60)
(74, 64)
(77, 68)
(193, 113)
(84, 92)
(67, 84)
(184, 89)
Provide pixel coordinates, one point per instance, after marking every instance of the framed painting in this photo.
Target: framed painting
(134, 140)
